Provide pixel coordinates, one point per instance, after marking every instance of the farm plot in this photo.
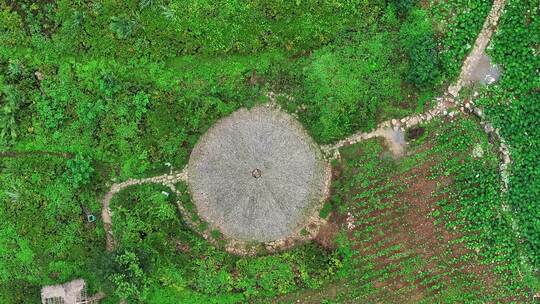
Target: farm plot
(418, 227)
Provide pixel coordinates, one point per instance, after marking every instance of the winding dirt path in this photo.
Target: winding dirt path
(444, 106)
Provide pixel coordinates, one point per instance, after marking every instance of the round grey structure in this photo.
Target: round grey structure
(257, 175)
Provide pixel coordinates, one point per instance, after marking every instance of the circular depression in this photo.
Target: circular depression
(257, 175)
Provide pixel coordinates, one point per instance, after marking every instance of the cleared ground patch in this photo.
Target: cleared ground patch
(257, 175)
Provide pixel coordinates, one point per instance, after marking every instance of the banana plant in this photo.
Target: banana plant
(10, 101)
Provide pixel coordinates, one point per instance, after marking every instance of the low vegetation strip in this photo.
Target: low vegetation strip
(513, 107)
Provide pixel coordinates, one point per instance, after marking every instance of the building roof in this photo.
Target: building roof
(257, 175)
(70, 293)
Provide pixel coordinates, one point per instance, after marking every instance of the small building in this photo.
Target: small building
(73, 292)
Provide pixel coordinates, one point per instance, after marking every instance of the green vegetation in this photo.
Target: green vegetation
(457, 23)
(161, 260)
(44, 238)
(347, 83)
(420, 46)
(96, 92)
(428, 226)
(514, 106)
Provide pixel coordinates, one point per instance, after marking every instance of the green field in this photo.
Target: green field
(97, 92)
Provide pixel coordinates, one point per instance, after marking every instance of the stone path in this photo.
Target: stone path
(478, 51)
(385, 129)
(445, 103)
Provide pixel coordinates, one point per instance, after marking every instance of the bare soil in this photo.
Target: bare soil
(328, 232)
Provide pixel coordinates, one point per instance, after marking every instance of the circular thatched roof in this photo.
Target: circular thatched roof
(257, 175)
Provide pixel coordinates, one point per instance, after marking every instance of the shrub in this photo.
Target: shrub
(79, 171)
(418, 40)
(347, 84)
(403, 6)
(130, 280)
(10, 101)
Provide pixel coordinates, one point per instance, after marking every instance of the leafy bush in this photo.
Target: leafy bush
(122, 26)
(79, 171)
(418, 40)
(347, 84)
(15, 87)
(130, 280)
(404, 6)
(11, 101)
(267, 275)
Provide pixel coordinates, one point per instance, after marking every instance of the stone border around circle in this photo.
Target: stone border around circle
(303, 233)
(309, 226)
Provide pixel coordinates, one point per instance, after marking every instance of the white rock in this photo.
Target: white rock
(413, 121)
(477, 151)
(453, 90)
(478, 112)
